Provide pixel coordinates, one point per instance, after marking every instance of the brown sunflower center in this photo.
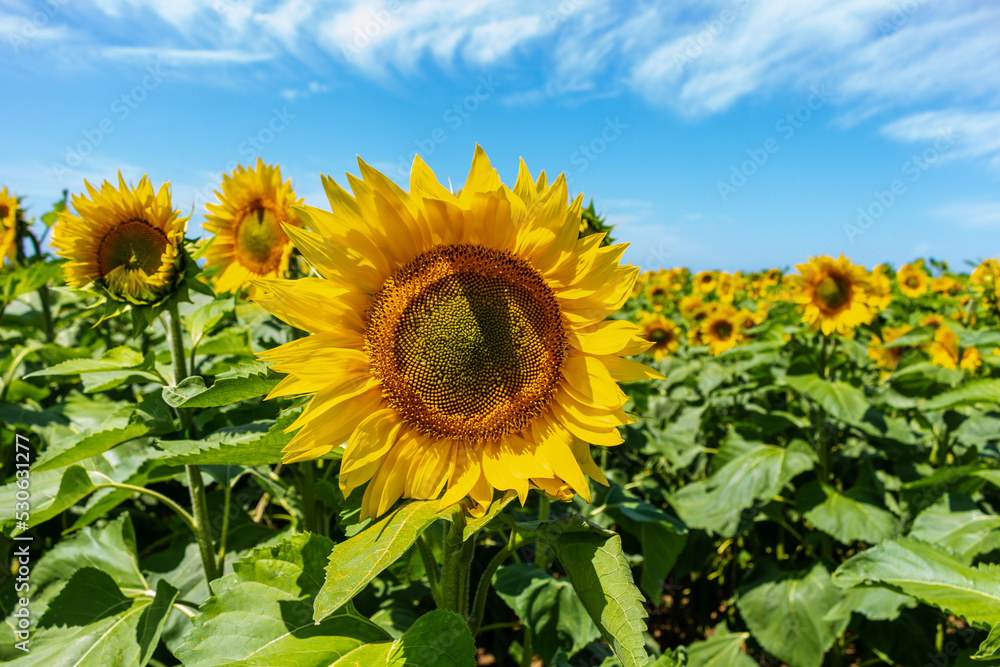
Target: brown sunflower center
(4, 211)
(660, 336)
(260, 240)
(132, 245)
(468, 342)
(722, 329)
(833, 292)
(912, 281)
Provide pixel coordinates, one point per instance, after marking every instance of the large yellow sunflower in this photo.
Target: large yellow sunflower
(661, 332)
(126, 240)
(832, 294)
(460, 342)
(913, 281)
(247, 222)
(8, 225)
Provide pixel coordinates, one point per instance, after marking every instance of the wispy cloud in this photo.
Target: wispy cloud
(971, 215)
(976, 133)
(184, 56)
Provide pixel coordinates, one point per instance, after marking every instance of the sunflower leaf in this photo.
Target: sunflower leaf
(355, 562)
(248, 380)
(440, 638)
(600, 574)
(969, 393)
(991, 647)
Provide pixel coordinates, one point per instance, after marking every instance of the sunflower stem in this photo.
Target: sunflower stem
(452, 569)
(541, 551)
(199, 506)
(431, 567)
(485, 581)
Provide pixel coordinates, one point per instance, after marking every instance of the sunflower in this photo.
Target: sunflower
(460, 342)
(720, 329)
(725, 287)
(247, 222)
(879, 288)
(946, 351)
(704, 282)
(661, 332)
(888, 357)
(913, 281)
(691, 304)
(832, 294)
(8, 225)
(125, 240)
(945, 285)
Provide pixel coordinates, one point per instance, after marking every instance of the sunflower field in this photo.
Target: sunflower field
(413, 425)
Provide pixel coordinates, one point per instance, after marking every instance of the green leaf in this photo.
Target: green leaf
(875, 604)
(52, 492)
(548, 606)
(757, 475)
(596, 566)
(261, 614)
(92, 624)
(257, 443)
(930, 575)
(117, 358)
(474, 525)
(722, 649)
(150, 417)
(841, 400)
(358, 560)
(248, 380)
(956, 523)
(437, 639)
(849, 517)
(785, 610)
(991, 647)
(969, 393)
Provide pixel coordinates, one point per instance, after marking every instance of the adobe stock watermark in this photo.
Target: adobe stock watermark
(694, 46)
(366, 33)
(454, 117)
(883, 200)
(31, 26)
(588, 152)
(900, 16)
(121, 108)
(786, 127)
(561, 13)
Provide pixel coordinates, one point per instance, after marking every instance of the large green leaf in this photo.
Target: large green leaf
(969, 393)
(248, 380)
(52, 492)
(875, 604)
(930, 575)
(261, 614)
(596, 566)
(92, 624)
(115, 359)
(722, 649)
(756, 475)
(841, 400)
(256, 443)
(956, 523)
(358, 560)
(149, 417)
(785, 612)
(548, 606)
(849, 517)
(437, 639)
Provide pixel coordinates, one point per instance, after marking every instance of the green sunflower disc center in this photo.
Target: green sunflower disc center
(260, 241)
(468, 342)
(833, 292)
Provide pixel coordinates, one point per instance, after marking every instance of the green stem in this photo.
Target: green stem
(464, 572)
(196, 487)
(227, 491)
(527, 652)
(304, 473)
(541, 551)
(181, 512)
(451, 569)
(431, 567)
(479, 606)
(43, 292)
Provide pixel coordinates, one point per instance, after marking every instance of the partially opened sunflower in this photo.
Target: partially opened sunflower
(248, 240)
(460, 342)
(125, 240)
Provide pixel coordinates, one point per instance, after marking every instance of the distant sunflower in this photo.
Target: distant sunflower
(879, 288)
(126, 240)
(247, 222)
(8, 225)
(704, 282)
(720, 329)
(945, 285)
(913, 281)
(945, 350)
(460, 342)
(725, 287)
(832, 294)
(661, 332)
(888, 357)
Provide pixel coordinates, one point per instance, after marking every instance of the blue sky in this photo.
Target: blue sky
(727, 134)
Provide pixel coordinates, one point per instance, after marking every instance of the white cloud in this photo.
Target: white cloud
(971, 215)
(184, 56)
(976, 134)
